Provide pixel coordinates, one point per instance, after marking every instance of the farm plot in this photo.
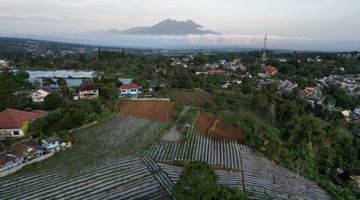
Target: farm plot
(208, 125)
(186, 97)
(224, 154)
(227, 178)
(157, 110)
(263, 179)
(87, 177)
(126, 135)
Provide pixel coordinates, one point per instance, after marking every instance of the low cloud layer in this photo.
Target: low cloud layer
(217, 41)
(202, 41)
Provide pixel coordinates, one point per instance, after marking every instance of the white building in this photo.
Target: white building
(4, 64)
(88, 91)
(39, 95)
(130, 90)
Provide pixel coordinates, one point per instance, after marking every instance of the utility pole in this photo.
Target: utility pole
(263, 58)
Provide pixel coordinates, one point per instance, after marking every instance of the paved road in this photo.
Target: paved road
(174, 135)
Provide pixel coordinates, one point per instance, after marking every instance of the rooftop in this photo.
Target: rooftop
(129, 86)
(12, 118)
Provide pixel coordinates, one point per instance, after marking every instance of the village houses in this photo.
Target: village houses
(39, 96)
(87, 91)
(270, 70)
(14, 123)
(130, 90)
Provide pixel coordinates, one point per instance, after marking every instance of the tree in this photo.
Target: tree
(199, 181)
(10, 85)
(52, 101)
(61, 82)
(47, 82)
(73, 118)
(246, 86)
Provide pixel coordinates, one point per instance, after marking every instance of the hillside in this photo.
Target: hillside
(123, 157)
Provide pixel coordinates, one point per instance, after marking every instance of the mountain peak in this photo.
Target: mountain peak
(171, 27)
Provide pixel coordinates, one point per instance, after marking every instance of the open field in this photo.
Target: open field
(157, 110)
(186, 97)
(208, 125)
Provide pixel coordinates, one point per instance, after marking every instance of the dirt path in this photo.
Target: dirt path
(174, 135)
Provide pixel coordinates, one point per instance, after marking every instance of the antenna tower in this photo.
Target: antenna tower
(263, 59)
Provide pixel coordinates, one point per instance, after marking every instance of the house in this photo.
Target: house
(7, 161)
(88, 91)
(51, 143)
(130, 90)
(270, 70)
(215, 71)
(23, 152)
(13, 123)
(309, 90)
(39, 95)
(4, 64)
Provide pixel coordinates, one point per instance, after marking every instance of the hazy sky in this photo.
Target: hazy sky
(337, 19)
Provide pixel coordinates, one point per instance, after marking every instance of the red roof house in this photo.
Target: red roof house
(87, 86)
(88, 91)
(271, 70)
(129, 86)
(130, 90)
(12, 120)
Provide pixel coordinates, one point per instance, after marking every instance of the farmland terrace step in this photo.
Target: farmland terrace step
(160, 175)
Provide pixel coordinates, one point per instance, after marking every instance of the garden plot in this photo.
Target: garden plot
(126, 135)
(157, 110)
(227, 178)
(224, 154)
(104, 177)
(187, 97)
(263, 179)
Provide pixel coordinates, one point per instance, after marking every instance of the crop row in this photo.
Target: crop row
(231, 179)
(157, 110)
(184, 97)
(125, 134)
(262, 178)
(104, 178)
(225, 154)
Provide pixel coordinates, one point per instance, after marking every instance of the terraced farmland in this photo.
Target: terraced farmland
(263, 179)
(224, 154)
(86, 177)
(186, 97)
(104, 165)
(228, 178)
(99, 167)
(157, 110)
(126, 135)
(208, 125)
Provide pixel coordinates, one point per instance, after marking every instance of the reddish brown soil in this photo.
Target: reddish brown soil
(203, 123)
(228, 132)
(149, 109)
(208, 125)
(183, 97)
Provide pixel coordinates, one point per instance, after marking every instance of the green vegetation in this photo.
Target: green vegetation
(69, 116)
(285, 129)
(199, 181)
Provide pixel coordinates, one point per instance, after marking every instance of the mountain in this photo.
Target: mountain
(170, 27)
